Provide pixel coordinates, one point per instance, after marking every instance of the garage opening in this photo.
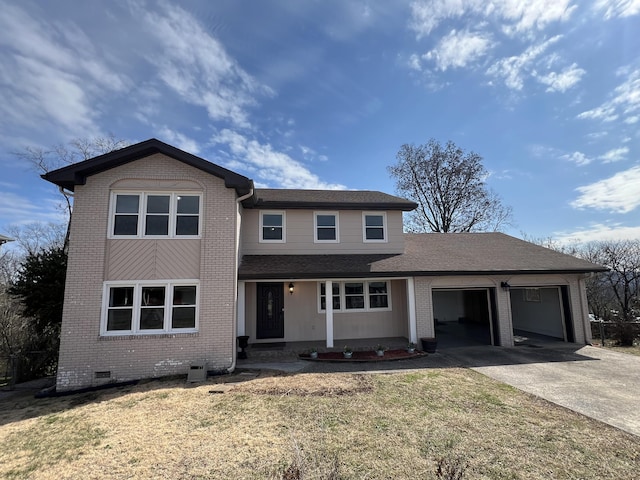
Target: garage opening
(465, 317)
(541, 313)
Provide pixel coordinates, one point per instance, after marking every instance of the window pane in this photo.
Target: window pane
(373, 220)
(119, 319)
(272, 233)
(184, 295)
(336, 303)
(323, 303)
(354, 302)
(188, 204)
(353, 288)
(152, 296)
(121, 297)
(378, 287)
(127, 203)
(326, 233)
(151, 318)
(158, 203)
(183, 317)
(326, 220)
(187, 225)
(157, 225)
(378, 301)
(125, 225)
(375, 234)
(272, 220)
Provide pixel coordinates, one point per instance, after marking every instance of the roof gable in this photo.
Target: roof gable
(70, 176)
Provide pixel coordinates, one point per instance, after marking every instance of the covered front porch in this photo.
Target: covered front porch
(327, 313)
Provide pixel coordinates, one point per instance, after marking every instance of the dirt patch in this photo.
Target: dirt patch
(309, 384)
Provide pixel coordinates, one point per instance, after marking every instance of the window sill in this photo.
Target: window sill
(144, 336)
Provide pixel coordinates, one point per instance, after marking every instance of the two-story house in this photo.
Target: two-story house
(171, 257)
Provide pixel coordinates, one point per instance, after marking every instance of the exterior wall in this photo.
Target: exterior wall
(93, 259)
(424, 300)
(299, 235)
(303, 322)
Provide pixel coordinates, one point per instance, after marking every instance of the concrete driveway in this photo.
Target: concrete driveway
(596, 382)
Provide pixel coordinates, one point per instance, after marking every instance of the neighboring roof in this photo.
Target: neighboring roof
(425, 254)
(77, 173)
(334, 199)
(4, 239)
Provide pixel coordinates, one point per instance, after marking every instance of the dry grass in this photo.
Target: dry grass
(324, 425)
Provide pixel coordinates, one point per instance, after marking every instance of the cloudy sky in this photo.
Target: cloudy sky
(322, 94)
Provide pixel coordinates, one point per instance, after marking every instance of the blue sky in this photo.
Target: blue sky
(322, 94)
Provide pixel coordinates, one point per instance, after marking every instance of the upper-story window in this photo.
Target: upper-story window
(326, 227)
(272, 227)
(374, 227)
(149, 214)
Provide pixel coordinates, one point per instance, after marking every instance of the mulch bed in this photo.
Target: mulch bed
(366, 356)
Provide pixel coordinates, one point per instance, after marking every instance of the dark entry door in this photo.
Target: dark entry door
(270, 320)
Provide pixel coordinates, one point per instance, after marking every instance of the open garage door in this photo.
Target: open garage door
(465, 317)
(541, 312)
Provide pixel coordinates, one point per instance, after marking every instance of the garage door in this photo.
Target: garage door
(541, 311)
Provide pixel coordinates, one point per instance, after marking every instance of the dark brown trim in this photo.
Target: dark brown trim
(76, 174)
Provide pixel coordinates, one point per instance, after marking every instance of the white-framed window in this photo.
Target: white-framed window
(144, 307)
(374, 227)
(326, 228)
(356, 295)
(155, 215)
(272, 227)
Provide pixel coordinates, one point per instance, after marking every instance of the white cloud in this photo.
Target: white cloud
(414, 62)
(179, 140)
(618, 8)
(632, 120)
(197, 67)
(563, 81)
(599, 232)
(614, 155)
(52, 75)
(578, 158)
(519, 16)
(270, 166)
(458, 49)
(513, 69)
(15, 208)
(619, 193)
(624, 101)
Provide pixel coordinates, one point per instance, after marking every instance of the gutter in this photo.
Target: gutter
(234, 350)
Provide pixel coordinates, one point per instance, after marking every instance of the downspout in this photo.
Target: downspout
(235, 320)
(66, 195)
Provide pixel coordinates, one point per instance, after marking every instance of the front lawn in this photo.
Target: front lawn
(351, 426)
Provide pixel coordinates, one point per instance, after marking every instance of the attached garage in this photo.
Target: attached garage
(541, 311)
(465, 316)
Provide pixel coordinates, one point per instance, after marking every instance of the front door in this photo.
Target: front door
(270, 320)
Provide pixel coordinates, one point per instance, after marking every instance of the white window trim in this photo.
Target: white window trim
(142, 213)
(384, 227)
(284, 225)
(315, 227)
(137, 291)
(343, 306)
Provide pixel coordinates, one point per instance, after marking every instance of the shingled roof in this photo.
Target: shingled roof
(342, 199)
(425, 255)
(76, 174)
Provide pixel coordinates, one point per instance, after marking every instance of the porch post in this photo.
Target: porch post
(328, 290)
(241, 309)
(411, 309)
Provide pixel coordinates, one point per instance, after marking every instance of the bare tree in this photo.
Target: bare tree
(448, 184)
(77, 150)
